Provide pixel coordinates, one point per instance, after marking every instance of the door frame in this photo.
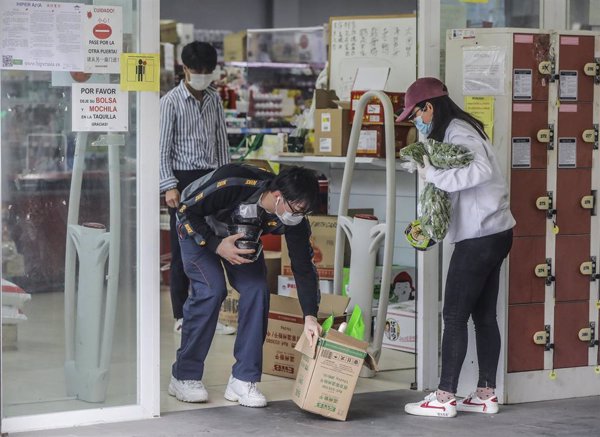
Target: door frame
(147, 250)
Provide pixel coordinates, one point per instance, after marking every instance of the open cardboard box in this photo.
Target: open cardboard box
(285, 326)
(328, 373)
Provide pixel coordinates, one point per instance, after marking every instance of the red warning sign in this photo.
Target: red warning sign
(102, 31)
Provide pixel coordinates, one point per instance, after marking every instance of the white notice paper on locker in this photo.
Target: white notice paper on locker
(522, 84)
(567, 152)
(521, 152)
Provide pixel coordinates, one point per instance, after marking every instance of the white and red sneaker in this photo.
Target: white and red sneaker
(472, 404)
(430, 406)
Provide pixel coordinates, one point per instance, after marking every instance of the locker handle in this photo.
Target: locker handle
(543, 203)
(542, 271)
(587, 202)
(545, 67)
(585, 334)
(589, 136)
(540, 337)
(586, 268)
(543, 135)
(590, 69)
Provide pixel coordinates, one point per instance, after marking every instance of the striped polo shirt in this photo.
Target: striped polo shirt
(193, 135)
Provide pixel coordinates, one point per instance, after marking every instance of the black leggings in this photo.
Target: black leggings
(472, 290)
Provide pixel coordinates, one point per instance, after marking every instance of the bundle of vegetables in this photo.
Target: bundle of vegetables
(434, 208)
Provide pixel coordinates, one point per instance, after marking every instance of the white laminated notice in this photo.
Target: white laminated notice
(568, 85)
(521, 152)
(373, 109)
(99, 108)
(483, 71)
(567, 152)
(325, 145)
(326, 122)
(522, 84)
(367, 140)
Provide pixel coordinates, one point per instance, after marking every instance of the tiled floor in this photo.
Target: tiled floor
(34, 382)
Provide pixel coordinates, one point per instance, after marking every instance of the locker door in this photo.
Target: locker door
(525, 187)
(573, 120)
(569, 318)
(575, 52)
(572, 185)
(529, 50)
(571, 252)
(527, 120)
(523, 322)
(524, 285)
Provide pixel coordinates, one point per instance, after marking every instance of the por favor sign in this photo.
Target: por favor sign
(99, 108)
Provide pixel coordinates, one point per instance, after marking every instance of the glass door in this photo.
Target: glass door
(71, 195)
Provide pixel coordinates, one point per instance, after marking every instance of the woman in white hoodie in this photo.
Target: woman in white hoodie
(481, 231)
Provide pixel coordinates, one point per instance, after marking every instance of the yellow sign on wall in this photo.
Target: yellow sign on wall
(482, 108)
(140, 72)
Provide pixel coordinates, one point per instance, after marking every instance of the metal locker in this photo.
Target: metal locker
(573, 187)
(529, 51)
(526, 284)
(524, 321)
(572, 251)
(569, 319)
(526, 187)
(575, 51)
(529, 145)
(576, 135)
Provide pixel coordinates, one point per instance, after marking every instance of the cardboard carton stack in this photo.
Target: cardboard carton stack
(285, 327)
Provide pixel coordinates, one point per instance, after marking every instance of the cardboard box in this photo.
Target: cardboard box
(286, 286)
(328, 373)
(374, 110)
(229, 309)
(273, 263)
(399, 333)
(234, 46)
(285, 326)
(402, 284)
(323, 243)
(332, 131)
(371, 141)
(168, 31)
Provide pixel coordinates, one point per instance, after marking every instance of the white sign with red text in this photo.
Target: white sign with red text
(103, 38)
(99, 108)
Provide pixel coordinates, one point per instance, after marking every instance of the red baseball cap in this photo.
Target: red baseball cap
(420, 90)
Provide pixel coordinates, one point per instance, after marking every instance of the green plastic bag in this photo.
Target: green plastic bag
(356, 324)
(327, 324)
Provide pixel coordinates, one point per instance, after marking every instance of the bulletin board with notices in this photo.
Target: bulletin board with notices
(372, 41)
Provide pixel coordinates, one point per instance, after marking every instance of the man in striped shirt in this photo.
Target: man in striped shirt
(193, 142)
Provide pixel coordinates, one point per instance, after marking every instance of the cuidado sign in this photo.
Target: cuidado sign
(103, 37)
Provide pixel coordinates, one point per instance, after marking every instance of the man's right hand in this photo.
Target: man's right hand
(172, 198)
(230, 253)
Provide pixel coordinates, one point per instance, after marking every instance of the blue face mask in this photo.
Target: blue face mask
(424, 128)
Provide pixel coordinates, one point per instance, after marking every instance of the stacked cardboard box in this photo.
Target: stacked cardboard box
(285, 327)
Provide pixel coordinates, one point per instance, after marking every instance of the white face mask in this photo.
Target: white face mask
(200, 81)
(287, 218)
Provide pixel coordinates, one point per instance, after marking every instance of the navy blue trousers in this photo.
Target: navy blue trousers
(201, 312)
(472, 291)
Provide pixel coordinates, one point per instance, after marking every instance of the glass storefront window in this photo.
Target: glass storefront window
(584, 15)
(60, 354)
(460, 14)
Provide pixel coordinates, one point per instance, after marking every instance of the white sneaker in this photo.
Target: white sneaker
(473, 404)
(224, 329)
(178, 326)
(430, 406)
(188, 391)
(246, 393)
